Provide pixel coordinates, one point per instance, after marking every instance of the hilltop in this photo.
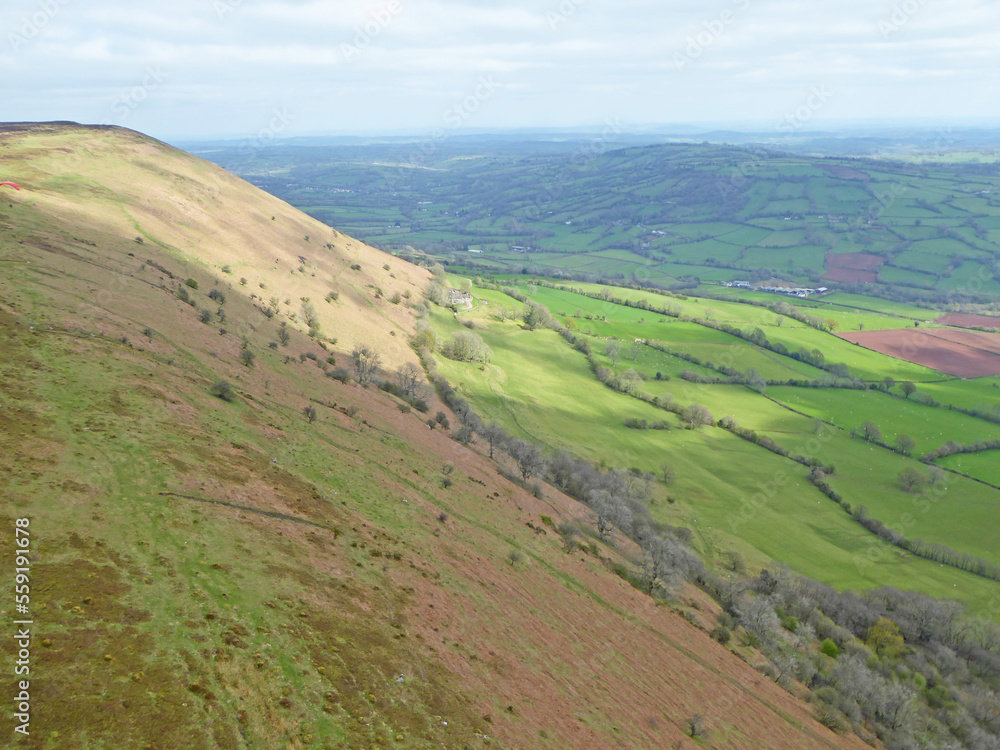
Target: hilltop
(235, 545)
(120, 188)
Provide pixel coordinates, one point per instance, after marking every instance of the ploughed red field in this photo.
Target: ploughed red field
(963, 320)
(852, 267)
(964, 354)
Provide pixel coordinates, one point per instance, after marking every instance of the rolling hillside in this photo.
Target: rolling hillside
(671, 215)
(232, 549)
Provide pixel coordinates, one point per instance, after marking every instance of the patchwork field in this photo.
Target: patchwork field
(852, 267)
(669, 214)
(933, 350)
(539, 387)
(969, 321)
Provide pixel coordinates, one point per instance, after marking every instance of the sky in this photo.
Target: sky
(268, 69)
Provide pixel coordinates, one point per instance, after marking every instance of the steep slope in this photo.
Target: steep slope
(212, 573)
(122, 188)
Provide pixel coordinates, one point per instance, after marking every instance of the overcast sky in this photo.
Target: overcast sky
(255, 68)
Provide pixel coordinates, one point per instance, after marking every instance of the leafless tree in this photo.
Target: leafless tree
(410, 379)
(366, 362)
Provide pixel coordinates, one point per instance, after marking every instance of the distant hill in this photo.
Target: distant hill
(674, 215)
(229, 548)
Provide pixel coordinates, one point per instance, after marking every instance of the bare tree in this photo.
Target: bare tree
(696, 416)
(869, 431)
(905, 444)
(911, 480)
(609, 512)
(410, 379)
(493, 434)
(528, 457)
(366, 362)
(613, 351)
(757, 617)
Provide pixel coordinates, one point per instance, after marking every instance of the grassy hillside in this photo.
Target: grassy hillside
(240, 572)
(114, 185)
(540, 387)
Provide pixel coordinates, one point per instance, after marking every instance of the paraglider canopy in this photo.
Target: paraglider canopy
(10, 184)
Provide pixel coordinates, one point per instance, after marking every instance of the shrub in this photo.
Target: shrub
(205, 316)
(310, 413)
(722, 634)
(355, 266)
(696, 725)
(829, 648)
(191, 283)
(405, 408)
(224, 390)
(247, 357)
(218, 296)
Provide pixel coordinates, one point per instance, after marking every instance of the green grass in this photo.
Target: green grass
(985, 466)
(540, 388)
(929, 427)
(863, 363)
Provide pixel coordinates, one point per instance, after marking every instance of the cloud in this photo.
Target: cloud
(400, 63)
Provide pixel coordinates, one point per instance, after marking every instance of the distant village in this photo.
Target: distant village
(775, 287)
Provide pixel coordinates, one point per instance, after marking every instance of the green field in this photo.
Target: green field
(735, 494)
(929, 427)
(985, 466)
(662, 214)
